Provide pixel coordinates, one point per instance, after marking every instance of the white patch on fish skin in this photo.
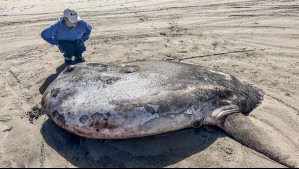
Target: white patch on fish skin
(172, 116)
(155, 107)
(140, 116)
(227, 76)
(190, 111)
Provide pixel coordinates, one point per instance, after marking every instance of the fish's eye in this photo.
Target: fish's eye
(197, 123)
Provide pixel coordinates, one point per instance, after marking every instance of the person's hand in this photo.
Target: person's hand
(80, 41)
(81, 44)
(60, 47)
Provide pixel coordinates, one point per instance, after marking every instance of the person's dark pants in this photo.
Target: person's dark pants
(72, 48)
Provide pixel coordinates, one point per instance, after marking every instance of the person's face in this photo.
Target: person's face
(70, 24)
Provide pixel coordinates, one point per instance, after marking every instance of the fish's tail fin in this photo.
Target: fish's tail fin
(264, 140)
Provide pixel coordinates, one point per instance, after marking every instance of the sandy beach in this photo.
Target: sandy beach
(256, 41)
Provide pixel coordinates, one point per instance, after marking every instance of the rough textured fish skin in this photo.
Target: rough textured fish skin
(105, 101)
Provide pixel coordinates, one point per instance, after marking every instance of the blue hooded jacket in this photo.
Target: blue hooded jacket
(59, 31)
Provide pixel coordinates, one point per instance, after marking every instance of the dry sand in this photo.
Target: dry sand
(255, 40)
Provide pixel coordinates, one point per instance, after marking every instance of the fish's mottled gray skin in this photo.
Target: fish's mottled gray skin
(144, 98)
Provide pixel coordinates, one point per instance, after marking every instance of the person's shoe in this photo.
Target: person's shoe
(68, 62)
(80, 59)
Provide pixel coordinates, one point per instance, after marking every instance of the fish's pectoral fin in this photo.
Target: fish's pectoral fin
(275, 146)
(213, 117)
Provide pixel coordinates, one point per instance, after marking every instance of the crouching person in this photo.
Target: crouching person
(69, 33)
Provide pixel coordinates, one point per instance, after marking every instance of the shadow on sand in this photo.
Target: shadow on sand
(51, 78)
(153, 151)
